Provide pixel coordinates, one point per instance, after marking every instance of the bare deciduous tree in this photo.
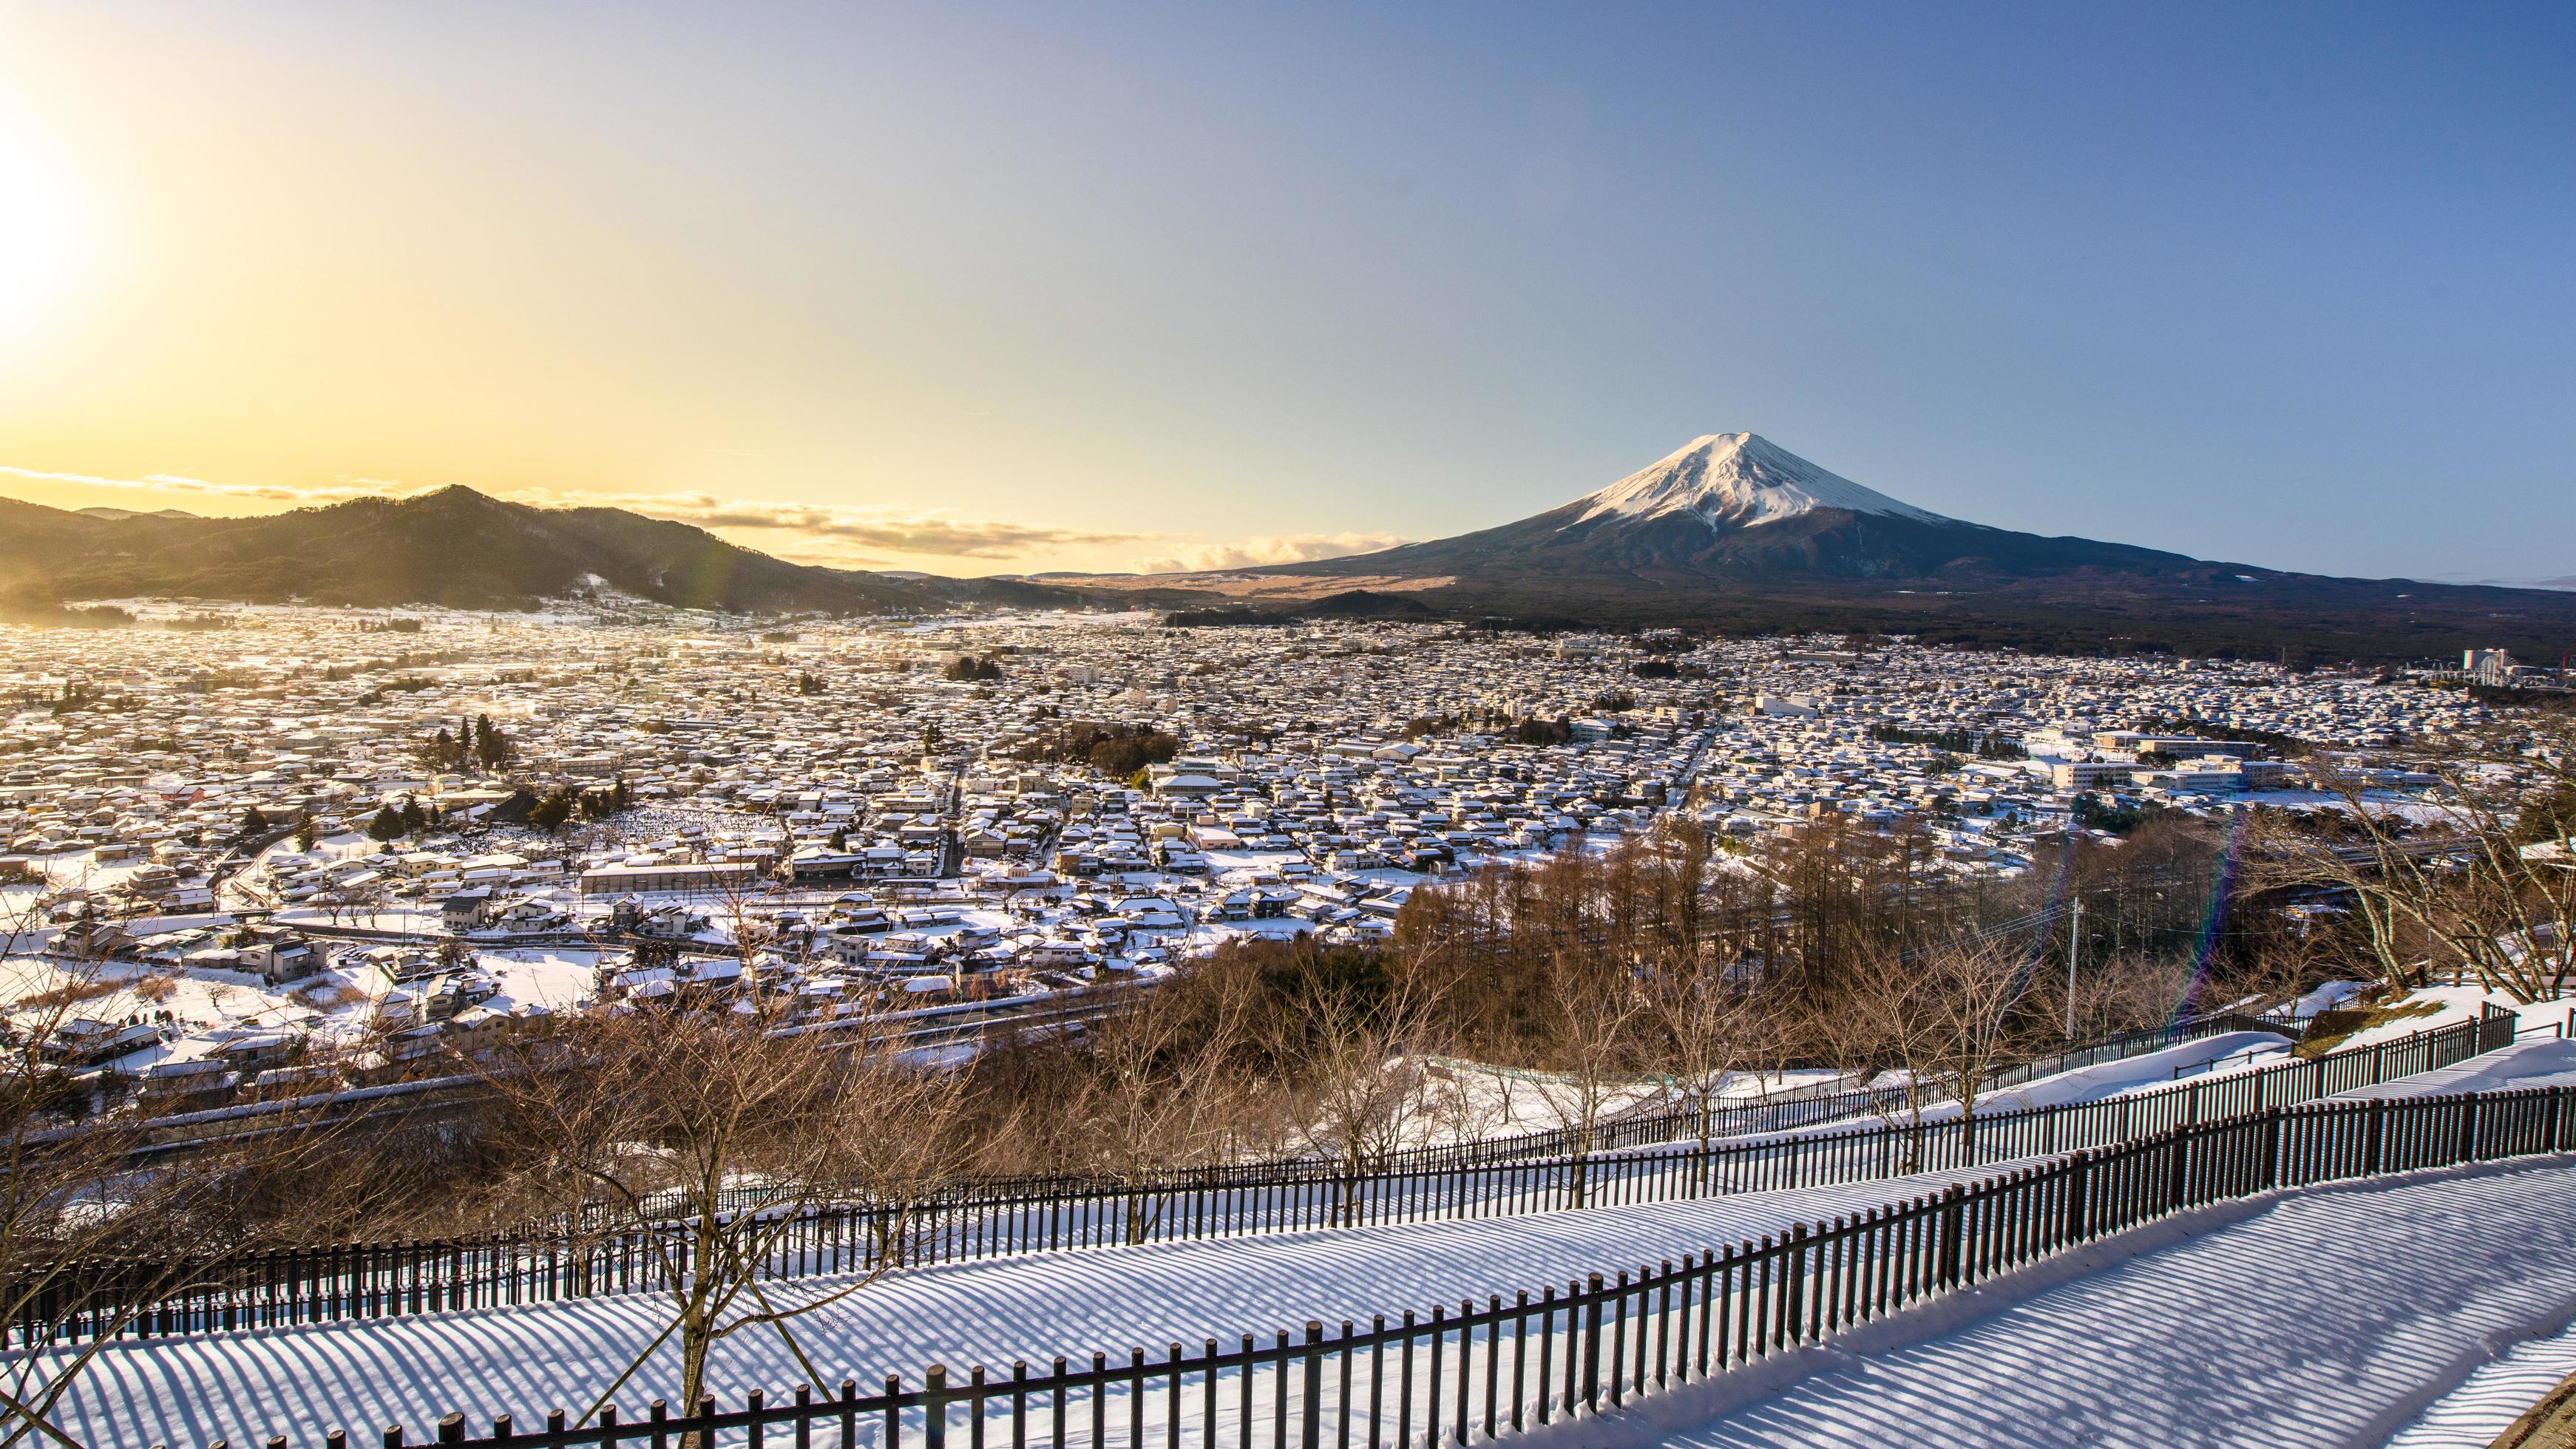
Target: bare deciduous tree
(1598, 1009)
(2121, 993)
(1939, 1027)
(1361, 1082)
(707, 1131)
(2465, 886)
(1158, 1081)
(1704, 1026)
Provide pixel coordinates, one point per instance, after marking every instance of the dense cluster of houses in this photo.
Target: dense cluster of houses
(345, 814)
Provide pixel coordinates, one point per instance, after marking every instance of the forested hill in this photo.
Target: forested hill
(455, 547)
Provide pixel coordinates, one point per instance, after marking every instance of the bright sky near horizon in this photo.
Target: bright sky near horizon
(1021, 286)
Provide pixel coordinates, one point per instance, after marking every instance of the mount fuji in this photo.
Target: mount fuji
(1735, 506)
(1735, 532)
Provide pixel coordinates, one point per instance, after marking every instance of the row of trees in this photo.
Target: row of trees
(551, 810)
(1666, 972)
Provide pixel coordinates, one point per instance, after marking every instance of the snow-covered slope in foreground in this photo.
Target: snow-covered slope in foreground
(2476, 1414)
(363, 1375)
(2325, 1316)
(1739, 478)
(2544, 1062)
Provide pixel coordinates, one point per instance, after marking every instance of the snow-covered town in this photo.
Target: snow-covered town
(413, 830)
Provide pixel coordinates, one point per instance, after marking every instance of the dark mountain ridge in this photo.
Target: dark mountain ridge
(454, 547)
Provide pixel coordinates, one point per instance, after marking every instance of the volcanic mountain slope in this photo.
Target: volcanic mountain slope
(454, 547)
(1734, 505)
(1735, 532)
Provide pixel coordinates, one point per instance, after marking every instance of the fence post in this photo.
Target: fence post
(1793, 1315)
(1315, 1382)
(2177, 1166)
(2373, 1135)
(934, 1407)
(1953, 1222)
(2271, 1171)
(1592, 1344)
(2078, 1175)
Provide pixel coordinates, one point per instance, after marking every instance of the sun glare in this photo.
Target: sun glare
(42, 228)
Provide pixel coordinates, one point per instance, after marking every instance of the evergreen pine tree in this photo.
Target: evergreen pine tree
(551, 812)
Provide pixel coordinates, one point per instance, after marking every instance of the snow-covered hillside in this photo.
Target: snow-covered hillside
(1739, 478)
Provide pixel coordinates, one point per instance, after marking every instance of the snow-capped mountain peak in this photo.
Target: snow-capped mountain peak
(1742, 479)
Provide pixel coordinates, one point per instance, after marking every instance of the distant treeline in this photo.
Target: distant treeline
(61, 616)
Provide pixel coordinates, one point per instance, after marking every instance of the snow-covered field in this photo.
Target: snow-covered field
(1475, 1102)
(2227, 1054)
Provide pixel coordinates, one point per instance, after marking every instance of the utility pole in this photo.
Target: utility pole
(2074, 944)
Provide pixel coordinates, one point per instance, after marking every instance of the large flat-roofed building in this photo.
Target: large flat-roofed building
(2085, 774)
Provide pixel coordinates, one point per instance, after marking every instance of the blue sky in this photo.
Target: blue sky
(2281, 284)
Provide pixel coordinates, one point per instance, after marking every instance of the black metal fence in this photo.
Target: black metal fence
(1007, 1218)
(1484, 1369)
